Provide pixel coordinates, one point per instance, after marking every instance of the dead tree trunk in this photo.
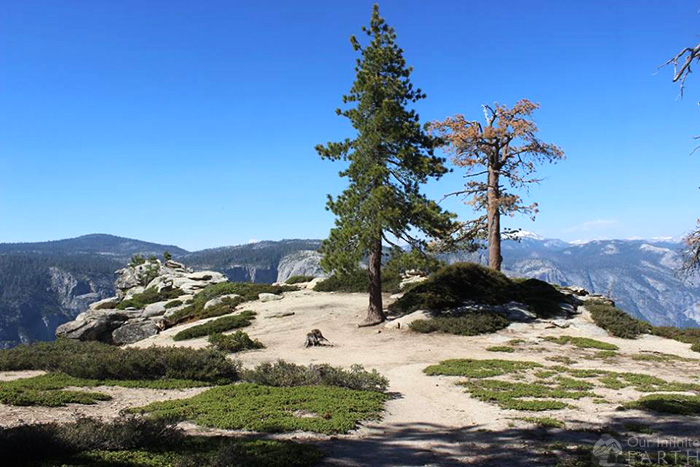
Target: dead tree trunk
(494, 220)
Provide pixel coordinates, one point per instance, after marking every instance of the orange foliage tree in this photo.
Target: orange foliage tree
(503, 149)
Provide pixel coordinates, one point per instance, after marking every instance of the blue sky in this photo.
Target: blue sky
(194, 123)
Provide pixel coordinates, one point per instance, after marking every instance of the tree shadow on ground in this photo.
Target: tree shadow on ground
(423, 444)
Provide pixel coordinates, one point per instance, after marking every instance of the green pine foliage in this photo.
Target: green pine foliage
(298, 279)
(226, 323)
(615, 321)
(235, 342)
(388, 160)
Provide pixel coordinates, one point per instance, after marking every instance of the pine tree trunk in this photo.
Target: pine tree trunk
(493, 215)
(375, 313)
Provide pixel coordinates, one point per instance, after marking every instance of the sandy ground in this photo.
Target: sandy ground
(430, 420)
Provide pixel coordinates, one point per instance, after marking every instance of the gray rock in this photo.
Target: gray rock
(134, 331)
(154, 309)
(105, 304)
(175, 265)
(218, 300)
(300, 263)
(269, 297)
(94, 327)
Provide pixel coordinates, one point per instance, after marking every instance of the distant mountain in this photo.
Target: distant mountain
(112, 246)
(264, 262)
(45, 284)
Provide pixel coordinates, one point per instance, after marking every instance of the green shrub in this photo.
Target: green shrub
(452, 286)
(148, 296)
(131, 442)
(501, 348)
(479, 368)
(357, 281)
(173, 304)
(298, 279)
(94, 360)
(615, 321)
(136, 260)
(227, 323)
(236, 342)
(679, 404)
(320, 409)
(246, 292)
(286, 374)
(470, 324)
(54, 398)
(582, 342)
(545, 422)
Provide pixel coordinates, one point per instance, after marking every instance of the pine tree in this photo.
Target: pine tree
(389, 159)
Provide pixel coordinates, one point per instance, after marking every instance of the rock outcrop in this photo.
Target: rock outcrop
(116, 320)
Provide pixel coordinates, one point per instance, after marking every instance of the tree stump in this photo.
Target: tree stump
(315, 338)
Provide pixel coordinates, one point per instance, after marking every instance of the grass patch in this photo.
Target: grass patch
(501, 348)
(247, 406)
(561, 359)
(227, 323)
(95, 360)
(660, 357)
(679, 404)
(298, 279)
(236, 342)
(644, 383)
(615, 321)
(31, 397)
(582, 342)
(452, 286)
(479, 368)
(133, 442)
(284, 374)
(471, 324)
(605, 354)
(148, 296)
(545, 422)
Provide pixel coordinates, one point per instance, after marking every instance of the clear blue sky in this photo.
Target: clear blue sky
(194, 122)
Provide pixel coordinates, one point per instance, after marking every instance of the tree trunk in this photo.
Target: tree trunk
(375, 313)
(493, 214)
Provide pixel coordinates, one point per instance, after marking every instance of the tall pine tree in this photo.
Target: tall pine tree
(389, 159)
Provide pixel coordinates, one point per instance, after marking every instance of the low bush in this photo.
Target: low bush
(236, 342)
(298, 279)
(679, 404)
(582, 342)
(173, 304)
(246, 292)
(452, 286)
(479, 368)
(53, 398)
(470, 324)
(286, 374)
(148, 296)
(545, 422)
(501, 348)
(142, 442)
(227, 323)
(94, 360)
(320, 409)
(615, 321)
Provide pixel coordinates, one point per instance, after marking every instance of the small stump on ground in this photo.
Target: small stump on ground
(315, 338)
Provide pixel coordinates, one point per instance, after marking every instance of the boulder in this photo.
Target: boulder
(154, 309)
(269, 297)
(218, 300)
(94, 327)
(404, 321)
(134, 331)
(175, 265)
(574, 290)
(515, 312)
(106, 304)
